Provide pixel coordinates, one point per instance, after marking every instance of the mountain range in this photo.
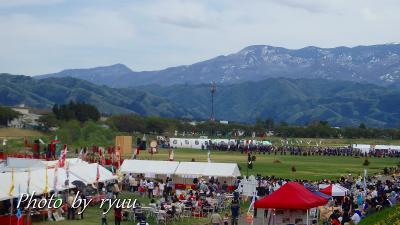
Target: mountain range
(344, 86)
(296, 101)
(376, 64)
(45, 93)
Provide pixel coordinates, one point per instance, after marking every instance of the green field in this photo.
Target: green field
(307, 167)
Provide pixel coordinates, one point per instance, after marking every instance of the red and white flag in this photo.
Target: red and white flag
(98, 173)
(63, 156)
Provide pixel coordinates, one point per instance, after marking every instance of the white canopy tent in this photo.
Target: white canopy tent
(37, 182)
(25, 163)
(149, 167)
(20, 185)
(88, 172)
(70, 161)
(198, 169)
(366, 148)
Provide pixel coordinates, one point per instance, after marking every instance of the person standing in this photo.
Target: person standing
(104, 217)
(150, 187)
(235, 210)
(118, 215)
(71, 210)
(132, 183)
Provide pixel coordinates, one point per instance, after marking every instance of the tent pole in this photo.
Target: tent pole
(307, 217)
(263, 218)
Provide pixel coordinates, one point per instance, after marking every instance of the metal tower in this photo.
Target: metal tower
(213, 88)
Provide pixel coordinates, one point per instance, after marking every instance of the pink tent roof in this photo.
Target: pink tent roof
(292, 195)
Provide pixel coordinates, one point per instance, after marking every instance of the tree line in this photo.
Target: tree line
(76, 110)
(7, 114)
(133, 123)
(316, 129)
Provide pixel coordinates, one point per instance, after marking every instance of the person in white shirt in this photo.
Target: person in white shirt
(150, 187)
(374, 194)
(356, 218)
(161, 185)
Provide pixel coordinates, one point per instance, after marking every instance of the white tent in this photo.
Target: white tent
(198, 169)
(387, 147)
(25, 163)
(70, 161)
(88, 172)
(20, 185)
(38, 177)
(37, 182)
(149, 167)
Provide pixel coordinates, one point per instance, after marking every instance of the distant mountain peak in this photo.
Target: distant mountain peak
(119, 68)
(377, 64)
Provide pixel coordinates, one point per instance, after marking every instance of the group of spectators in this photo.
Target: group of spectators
(300, 150)
(363, 198)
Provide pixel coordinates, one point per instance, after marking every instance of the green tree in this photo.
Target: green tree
(48, 121)
(7, 114)
(128, 123)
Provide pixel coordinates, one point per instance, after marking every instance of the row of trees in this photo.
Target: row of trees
(76, 110)
(7, 114)
(132, 123)
(316, 129)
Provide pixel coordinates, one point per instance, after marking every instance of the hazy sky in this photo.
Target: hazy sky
(44, 36)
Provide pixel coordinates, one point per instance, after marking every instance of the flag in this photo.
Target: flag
(28, 181)
(41, 141)
(112, 169)
(11, 191)
(46, 185)
(55, 178)
(66, 182)
(19, 213)
(81, 154)
(102, 160)
(209, 156)
(63, 156)
(98, 173)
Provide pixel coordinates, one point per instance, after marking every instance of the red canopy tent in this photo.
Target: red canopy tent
(292, 195)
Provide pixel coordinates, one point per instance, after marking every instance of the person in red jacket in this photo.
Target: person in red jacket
(118, 215)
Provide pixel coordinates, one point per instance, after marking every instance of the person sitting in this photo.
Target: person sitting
(182, 196)
(172, 211)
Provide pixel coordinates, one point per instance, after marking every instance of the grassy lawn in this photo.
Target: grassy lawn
(307, 167)
(390, 216)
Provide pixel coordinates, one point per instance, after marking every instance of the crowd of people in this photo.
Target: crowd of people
(301, 150)
(206, 197)
(363, 198)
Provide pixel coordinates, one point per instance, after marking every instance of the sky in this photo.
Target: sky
(46, 36)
